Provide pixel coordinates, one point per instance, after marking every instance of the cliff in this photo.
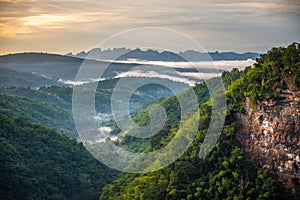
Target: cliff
(270, 135)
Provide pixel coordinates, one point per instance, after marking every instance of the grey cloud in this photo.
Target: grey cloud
(226, 24)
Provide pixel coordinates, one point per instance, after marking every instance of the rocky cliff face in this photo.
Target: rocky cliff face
(271, 135)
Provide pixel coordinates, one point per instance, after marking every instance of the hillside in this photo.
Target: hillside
(61, 97)
(141, 116)
(55, 68)
(47, 65)
(270, 118)
(38, 163)
(10, 78)
(42, 113)
(52, 106)
(226, 172)
(255, 157)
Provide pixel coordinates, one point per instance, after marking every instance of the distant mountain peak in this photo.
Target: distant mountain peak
(70, 54)
(155, 55)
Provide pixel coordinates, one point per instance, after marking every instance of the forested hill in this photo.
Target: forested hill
(44, 69)
(38, 112)
(61, 97)
(38, 163)
(275, 71)
(10, 78)
(226, 172)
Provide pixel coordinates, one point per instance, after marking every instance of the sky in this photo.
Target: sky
(62, 26)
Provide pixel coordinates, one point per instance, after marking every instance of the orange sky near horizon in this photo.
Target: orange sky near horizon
(63, 26)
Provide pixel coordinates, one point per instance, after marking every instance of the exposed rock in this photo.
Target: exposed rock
(270, 135)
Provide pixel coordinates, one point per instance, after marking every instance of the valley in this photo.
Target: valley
(256, 156)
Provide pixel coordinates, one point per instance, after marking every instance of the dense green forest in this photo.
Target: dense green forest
(38, 162)
(10, 78)
(274, 71)
(173, 112)
(61, 97)
(226, 172)
(52, 106)
(34, 111)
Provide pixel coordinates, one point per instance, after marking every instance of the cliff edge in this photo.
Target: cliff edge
(270, 135)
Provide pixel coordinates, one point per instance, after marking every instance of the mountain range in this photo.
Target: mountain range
(45, 69)
(256, 156)
(153, 55)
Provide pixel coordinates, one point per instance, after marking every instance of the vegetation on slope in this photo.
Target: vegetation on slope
(10, 78)
(277, 70)
(41, 113)
(38, 163)
(62, 96)
(173, 112)
(59, 97)
(226, 172)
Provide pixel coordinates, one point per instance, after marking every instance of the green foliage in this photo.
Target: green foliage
(10, 78)
(62, 96)
(226, 172)
(38, 163)
(59, 97)
(42, 113)
(274, 71)
(230, 77)
(172, 108)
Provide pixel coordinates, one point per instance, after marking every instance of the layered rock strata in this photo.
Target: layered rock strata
(271, 135)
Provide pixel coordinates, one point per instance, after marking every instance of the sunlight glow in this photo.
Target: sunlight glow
(48, 21)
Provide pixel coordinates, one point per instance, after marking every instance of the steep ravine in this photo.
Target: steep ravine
(271, 135)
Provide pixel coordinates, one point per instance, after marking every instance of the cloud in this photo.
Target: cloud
(153, 74)
(212, 65)
(218, 24)
(203, 67)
